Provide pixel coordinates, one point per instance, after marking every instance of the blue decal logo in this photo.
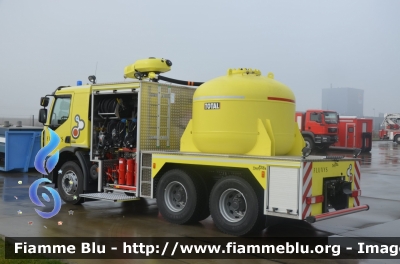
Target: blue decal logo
(35, 199)
(45, 164)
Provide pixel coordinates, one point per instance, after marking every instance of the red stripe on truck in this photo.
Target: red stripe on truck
(281, 99)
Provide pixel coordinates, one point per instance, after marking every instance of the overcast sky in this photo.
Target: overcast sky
(308, 45)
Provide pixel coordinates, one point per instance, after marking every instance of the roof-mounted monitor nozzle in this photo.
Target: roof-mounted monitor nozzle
(151, 68)
(147, 68)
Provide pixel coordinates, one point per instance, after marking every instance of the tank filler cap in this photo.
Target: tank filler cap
(244, 71)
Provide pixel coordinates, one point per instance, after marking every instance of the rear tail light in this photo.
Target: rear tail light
(315, 199)
(356, 193)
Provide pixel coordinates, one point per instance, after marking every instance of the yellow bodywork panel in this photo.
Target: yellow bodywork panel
(74, 131)
(80, 123)
(258, 167)
(320, 169)
(328, 169)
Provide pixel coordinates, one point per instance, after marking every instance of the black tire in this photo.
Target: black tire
(397, 139)
(182, 197)
(70, 183)
(309, 143)
(236, 208)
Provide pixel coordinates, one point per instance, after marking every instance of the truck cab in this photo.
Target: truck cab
(68, 115)
(318, 127)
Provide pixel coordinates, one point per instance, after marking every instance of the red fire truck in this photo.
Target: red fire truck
(390, 128)
(318, 127)
(355, 132)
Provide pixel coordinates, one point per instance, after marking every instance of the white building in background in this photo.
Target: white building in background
(345, 101)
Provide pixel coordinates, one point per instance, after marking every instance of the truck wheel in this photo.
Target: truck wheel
(70, 183)
(182, 197)
(397, 139)
(235, 207)
(309, 143)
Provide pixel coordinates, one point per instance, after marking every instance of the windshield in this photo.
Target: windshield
(331, 117)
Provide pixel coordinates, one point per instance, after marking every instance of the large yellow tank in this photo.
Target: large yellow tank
(243, 113)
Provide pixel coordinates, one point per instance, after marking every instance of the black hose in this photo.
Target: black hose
(179, 81)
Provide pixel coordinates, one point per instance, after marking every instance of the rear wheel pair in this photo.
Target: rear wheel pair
(235, 207)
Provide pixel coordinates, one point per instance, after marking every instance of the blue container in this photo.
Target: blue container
(18, 148)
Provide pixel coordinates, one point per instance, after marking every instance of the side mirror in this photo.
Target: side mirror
(43, 115)
(44, 101)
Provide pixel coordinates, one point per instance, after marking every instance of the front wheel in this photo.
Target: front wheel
(70, 183)
(309, 142)
(397, 139)
(235, 207)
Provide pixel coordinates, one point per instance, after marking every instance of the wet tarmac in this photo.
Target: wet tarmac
(380, 181)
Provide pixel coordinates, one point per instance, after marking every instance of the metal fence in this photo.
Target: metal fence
(30, 120)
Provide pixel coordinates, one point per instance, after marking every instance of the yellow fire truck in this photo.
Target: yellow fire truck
(229, 148)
